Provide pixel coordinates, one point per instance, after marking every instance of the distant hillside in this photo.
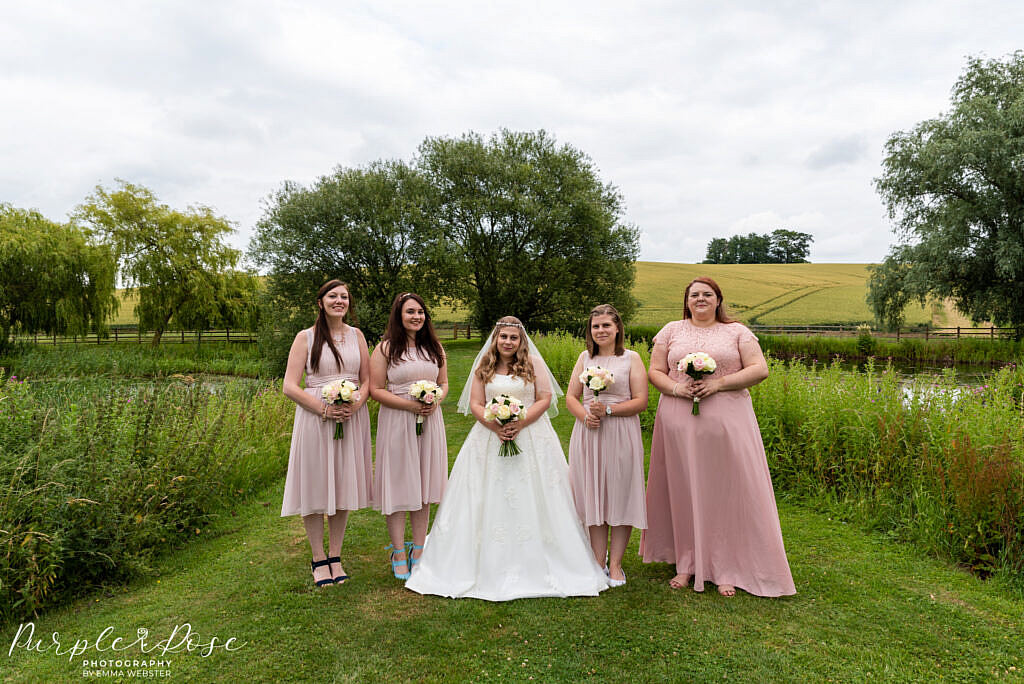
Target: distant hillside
(779, 294)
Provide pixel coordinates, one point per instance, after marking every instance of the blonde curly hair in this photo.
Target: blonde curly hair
(521, 367)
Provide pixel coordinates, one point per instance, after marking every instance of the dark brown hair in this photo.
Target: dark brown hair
(427, 344)
(720, 313)
(605, 310)
(321, 333)
(522, 366)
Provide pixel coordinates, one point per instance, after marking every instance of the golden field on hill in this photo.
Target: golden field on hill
(771, 294)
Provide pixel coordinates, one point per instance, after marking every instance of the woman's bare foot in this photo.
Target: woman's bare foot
(680, 581)
(726, 590)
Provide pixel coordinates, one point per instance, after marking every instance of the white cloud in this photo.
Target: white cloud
(710, 118)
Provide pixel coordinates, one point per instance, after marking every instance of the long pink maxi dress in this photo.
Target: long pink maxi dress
(606, 464)
(710, 503)
(411, 470)
(327, 475)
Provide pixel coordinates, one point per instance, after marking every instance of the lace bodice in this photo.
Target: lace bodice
(512, 386)
(721, 341)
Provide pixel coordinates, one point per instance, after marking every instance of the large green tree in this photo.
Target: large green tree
(363, 226)
(51, 279)
(955, 187)
(524, 226)
(176, 261)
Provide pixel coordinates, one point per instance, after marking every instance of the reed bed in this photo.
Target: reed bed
(135, 360)
(823, 348)
(98, 475)
(934, 462)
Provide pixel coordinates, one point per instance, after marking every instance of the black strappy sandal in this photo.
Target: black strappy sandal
(342, 578)
(313, 565)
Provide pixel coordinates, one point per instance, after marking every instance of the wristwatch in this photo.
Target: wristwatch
(607, 410)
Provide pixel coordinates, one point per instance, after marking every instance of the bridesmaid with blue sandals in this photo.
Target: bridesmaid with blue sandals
(412, 469)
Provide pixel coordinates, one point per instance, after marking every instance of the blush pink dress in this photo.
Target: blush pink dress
(606, 464)
(710, 503)
(327, 475)
(411, 470)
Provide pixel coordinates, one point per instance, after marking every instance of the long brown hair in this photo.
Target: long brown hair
(522, 366)
(720, 312)
(427, 344)
(605, 310)
(321, 333)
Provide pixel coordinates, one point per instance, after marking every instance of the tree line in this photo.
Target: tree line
(778, 247)
(511, 223)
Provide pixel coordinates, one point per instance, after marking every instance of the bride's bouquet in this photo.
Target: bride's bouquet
(339, 392)
(597, 379)
(696, 365)
(425, 392)
(505, 409)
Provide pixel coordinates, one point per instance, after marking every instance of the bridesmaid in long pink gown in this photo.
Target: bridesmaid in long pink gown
(412, 470)
(328, 476)
(606, 451)
(710, 503)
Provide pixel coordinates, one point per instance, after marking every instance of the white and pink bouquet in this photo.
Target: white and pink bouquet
(425, 392)
(597, 379)
(505, 409)
(339, 392)
(696, 365)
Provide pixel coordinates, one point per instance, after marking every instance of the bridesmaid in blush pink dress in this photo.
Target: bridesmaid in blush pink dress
(328, 476)
(412, 470)
(606, 452)
(710, 503)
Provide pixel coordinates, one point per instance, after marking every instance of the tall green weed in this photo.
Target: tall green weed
(97, 476)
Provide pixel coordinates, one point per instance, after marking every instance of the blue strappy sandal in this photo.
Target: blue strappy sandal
(409, 548)
(395, 564)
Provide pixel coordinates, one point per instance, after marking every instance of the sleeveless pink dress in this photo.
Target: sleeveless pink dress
(710, 503)
(327, 475)
(606, 464)
(411, 470)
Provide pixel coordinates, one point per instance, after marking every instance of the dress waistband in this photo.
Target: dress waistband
(328, 379)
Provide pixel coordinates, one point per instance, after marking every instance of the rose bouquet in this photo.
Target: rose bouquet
(425, 392)
(696, 365)
(339, 392)
(597, 379)
(505, 409)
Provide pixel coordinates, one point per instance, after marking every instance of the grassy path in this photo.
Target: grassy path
(865, 609)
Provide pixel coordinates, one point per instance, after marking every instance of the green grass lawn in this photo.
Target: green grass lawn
(866, 609)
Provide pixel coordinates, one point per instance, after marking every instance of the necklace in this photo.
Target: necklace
(338, 337)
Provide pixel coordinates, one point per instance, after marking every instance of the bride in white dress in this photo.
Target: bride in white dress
(507, 527)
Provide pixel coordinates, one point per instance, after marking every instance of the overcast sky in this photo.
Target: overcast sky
(711, 118)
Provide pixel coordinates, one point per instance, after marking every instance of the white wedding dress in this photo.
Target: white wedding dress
(507, 527)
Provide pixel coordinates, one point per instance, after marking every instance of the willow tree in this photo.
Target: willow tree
(52, 279)
(176, 261)
(955, 187)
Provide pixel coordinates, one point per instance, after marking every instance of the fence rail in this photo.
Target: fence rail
(958, 332)
(134, 335)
